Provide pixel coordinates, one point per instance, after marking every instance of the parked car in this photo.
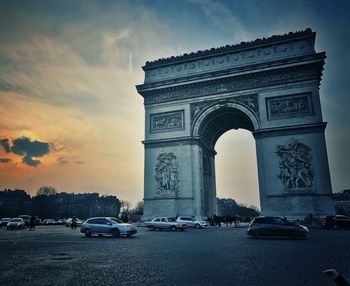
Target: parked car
(336, 221)
(192, 222)
(4, 221)
(164, 223)
(69, 222)
(107, 225)
(276, 226)
(26, 219)
(16, 223)
(48, 221)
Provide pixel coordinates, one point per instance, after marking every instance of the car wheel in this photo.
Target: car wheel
(152, 227)
(197, 225)
(335, 226)
(173, 228)
(256, 234)
(116, 232)
(87, 232)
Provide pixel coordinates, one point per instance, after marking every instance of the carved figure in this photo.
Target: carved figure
(167, 121)
(295, 166)
(166, 174)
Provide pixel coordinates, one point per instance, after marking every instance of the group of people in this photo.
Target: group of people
(227, 220)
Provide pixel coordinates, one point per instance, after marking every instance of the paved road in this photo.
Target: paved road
(213, 256)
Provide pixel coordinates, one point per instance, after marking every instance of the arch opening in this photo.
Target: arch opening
(221, 120)
(236, 168)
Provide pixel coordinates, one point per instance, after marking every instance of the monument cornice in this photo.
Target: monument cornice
(253, 80)
(258, 43)
(178, 141)
(290, 130)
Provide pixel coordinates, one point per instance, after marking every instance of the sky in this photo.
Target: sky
(70, 115)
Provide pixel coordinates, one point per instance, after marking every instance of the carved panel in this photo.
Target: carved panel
(166, 176)
(167, 121)
(286, 106)
(295, 166)
(256, 80)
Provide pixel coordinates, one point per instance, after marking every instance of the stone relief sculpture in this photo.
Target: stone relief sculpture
(295, 166)
(166, 174)
(291, 105)
(167, 121)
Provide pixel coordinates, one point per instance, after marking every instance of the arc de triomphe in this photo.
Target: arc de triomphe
(269, 87)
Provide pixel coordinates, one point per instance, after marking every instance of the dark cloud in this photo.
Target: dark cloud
(5, 143)
(5, 160)
(23, 146)
(30, 161)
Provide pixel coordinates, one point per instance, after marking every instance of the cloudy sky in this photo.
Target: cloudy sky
(70, 116)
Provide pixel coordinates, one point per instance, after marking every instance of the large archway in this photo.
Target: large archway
(236, 170)
(269, 87)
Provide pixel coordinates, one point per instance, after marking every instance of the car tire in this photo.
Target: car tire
(173, 228)
(335, 226)
(197, 225)
(116, 232)
(256, 234)
(152, 228)
(87, 232)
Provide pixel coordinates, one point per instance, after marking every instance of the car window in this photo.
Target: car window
(116, 220)
(157, 220)
(163, 219)
(93, 221)
(104, 221)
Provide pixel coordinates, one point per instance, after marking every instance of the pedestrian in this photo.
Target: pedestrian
(32, 223)
(74, 223)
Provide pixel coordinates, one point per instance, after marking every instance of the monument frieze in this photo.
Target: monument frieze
(232, 84)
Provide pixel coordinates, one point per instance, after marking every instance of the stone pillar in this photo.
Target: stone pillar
(293, 170)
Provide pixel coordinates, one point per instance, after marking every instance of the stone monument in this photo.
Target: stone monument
(269, 87)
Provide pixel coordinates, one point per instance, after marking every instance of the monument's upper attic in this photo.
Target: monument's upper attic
(231, 57)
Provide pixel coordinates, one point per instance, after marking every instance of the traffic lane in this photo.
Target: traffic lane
(208, 256)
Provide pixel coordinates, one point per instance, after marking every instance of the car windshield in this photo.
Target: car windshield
(16, 220)
(117, 220)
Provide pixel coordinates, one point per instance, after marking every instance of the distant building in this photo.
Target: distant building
(60, 205)
(65, 205)
(14, 203)
(342, 202)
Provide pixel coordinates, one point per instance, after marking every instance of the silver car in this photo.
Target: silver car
(107, 225)
(192, 222)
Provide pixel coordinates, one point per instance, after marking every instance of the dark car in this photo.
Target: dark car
(4, 221)
(336, 221)
(276, 226)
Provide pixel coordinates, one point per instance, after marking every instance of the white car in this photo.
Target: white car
(107, 225)
(192, 222)
(164, 223)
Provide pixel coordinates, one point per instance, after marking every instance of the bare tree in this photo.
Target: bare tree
(46, 191)
(125, 206)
